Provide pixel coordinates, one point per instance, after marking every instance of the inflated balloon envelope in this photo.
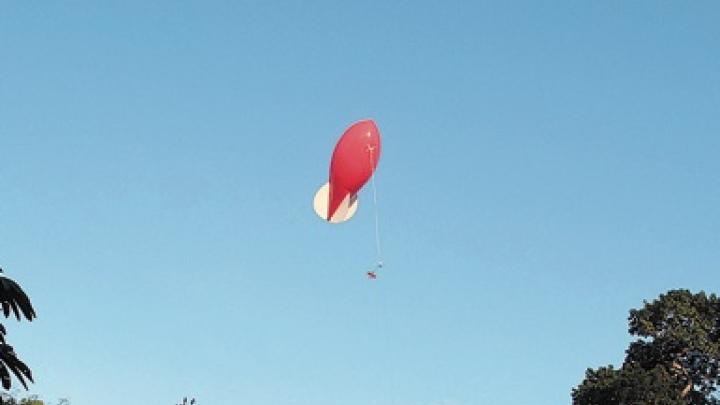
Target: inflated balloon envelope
(353, 163)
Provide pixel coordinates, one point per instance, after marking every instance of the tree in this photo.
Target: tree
(13, 301)
(674, 361)
(30, 400)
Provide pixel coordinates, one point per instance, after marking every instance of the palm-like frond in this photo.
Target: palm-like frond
(14, 299)
(9, 361)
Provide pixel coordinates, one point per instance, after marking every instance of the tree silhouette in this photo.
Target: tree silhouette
(14, 301)
(674, 361)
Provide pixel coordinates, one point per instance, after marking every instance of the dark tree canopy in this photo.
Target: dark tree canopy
(13, 301)
(674, 361)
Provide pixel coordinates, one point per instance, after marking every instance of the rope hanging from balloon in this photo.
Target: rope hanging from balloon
(378, 245)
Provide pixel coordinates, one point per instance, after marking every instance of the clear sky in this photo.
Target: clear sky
(546, 166)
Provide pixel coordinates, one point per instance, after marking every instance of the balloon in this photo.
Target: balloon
(354, 161)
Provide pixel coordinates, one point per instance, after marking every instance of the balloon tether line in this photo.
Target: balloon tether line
(378, 249)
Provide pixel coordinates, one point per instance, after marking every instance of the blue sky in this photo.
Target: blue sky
(546, 167)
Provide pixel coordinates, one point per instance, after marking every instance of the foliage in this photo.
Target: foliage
(674, 361)
(13, 301)
(12, 399)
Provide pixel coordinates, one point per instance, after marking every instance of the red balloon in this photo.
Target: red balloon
(353, 162)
